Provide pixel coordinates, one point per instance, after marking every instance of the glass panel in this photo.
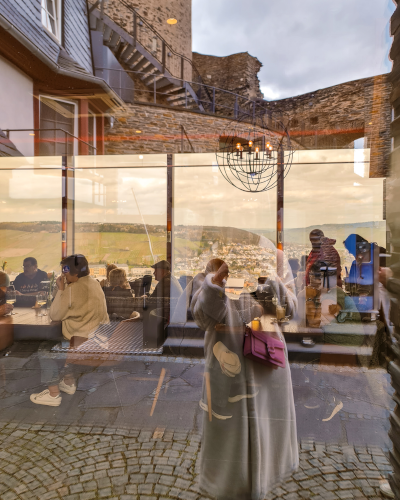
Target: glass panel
(212, 219)
(30, 213)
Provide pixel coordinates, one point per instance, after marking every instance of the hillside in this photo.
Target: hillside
(121, 248)
(371, 231)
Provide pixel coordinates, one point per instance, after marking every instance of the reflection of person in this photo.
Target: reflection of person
(117, 279)
(324, 251)
(250, 441)
(106, 281)
(168, 286)
(29, 280)
(81, 307)
(330, 255)
(4, 283)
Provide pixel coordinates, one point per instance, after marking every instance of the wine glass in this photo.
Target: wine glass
(41, 301)
(11, 297)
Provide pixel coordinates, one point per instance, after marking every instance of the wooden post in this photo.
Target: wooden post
(68, 207)
(279, 211)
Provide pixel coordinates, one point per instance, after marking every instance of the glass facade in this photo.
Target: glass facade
(198, 285)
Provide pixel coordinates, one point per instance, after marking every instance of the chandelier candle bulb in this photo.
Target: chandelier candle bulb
(257, 151)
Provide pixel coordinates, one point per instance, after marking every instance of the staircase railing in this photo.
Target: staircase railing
(214, 100)
(178, 65)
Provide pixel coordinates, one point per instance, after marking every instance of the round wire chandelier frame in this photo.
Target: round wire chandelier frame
(253, 152)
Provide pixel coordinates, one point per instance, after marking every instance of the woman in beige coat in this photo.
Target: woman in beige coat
(249, 433)
(81, 307)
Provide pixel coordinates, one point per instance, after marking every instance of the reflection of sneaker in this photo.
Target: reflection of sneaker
(386, 490)
(307, 342)
(239, 397)
(69, 389)
(44, 398)
(204, 407)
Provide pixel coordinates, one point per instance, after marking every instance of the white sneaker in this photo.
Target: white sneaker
(69, 389)
(44, 398)
(204, 407)
(386, 490)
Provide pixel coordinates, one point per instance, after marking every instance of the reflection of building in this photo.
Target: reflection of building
(52, 91)
(97, 270)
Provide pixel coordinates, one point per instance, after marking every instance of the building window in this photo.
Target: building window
(57, 127)
(92, 133)
(51, 17)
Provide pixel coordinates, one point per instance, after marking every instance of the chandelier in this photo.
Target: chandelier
(252, 156)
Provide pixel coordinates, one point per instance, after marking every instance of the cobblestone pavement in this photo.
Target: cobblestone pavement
(83, 463)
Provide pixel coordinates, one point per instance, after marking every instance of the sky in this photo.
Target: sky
(303, 45)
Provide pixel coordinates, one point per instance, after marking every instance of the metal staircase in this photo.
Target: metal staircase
(139, 48)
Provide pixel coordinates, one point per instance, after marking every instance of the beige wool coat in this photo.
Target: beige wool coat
(81, 307)
(251, 442)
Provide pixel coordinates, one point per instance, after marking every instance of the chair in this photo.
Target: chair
(142, 285)
(154, 328)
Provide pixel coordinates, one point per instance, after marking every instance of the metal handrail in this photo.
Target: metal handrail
(256, 109)
(152, 29)
(7, 132)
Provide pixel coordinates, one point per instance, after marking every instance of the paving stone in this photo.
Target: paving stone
(145, 489)
(137, 478)
(345, 485)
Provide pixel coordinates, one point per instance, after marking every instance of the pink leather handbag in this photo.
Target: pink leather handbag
(264, 348)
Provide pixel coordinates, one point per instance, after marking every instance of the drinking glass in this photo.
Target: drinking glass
(11, 297)
(41, 301)
(280, 312)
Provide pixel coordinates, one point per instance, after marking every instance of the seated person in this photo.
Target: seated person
(81, 307)
(106, 282)
(4, 283)
(167, 286)
(28, 282)
(117, 280)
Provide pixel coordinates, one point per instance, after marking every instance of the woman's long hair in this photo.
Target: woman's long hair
(118, 278)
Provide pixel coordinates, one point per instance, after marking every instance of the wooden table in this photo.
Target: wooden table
(26, 325)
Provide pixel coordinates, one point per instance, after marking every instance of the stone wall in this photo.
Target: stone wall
(328, 118)
(161, 131)
(236, 73)
(336, 116)
(156, 12)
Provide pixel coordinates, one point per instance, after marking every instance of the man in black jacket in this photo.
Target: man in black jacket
(29, 281)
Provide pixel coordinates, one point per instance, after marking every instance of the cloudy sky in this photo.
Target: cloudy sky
(303, 45)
